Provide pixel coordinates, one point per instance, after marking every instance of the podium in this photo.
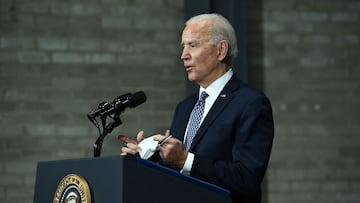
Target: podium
(123, 179)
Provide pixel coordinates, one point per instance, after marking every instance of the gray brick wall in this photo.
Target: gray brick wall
(60, 59)
(305, 55)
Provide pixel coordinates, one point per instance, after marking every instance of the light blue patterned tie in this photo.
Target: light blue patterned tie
(195, 119)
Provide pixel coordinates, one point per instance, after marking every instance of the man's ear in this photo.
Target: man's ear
(223, 49)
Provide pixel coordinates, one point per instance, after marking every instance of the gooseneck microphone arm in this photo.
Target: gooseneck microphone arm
(104, 130)
(112, 111)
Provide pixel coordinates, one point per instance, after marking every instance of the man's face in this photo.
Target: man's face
(199, 55)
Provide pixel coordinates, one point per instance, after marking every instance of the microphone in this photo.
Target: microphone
(119, 104)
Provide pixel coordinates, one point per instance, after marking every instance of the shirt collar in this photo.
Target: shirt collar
(216, 87)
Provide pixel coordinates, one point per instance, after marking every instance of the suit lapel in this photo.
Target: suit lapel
(223, 99)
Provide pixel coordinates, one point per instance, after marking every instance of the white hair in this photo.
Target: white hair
(221, 29)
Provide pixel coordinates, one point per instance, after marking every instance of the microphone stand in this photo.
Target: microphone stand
(112, 111)
(104, 129)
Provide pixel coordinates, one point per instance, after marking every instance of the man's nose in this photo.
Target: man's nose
(185, 54)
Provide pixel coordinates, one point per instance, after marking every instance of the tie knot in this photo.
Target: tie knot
(203, 95)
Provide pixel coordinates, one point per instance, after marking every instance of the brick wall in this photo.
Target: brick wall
(305, 55)
(60, 59)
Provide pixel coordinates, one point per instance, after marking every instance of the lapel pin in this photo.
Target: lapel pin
(222, 95)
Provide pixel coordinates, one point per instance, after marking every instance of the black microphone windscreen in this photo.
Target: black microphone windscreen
(137, 99)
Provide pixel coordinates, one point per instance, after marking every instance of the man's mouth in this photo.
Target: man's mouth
(188, 68)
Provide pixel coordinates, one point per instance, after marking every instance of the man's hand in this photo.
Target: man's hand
(131, 145)
(172, 151)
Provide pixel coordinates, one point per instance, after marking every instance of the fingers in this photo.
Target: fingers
(163, 141)
(131, 145)
(126, 139)
(172, 151)
(174, 155)
(140, 136)
(160, 137)
(126, 151)
(130, 148)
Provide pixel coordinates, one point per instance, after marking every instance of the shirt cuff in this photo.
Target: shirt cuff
(188, 164)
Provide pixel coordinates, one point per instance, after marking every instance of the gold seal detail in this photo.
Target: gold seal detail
(73, 188)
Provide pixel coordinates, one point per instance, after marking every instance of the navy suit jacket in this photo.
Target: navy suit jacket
(232, 146)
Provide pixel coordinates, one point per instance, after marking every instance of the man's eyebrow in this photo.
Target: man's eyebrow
(189, 42)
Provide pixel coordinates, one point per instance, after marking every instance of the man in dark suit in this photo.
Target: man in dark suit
(223, 134)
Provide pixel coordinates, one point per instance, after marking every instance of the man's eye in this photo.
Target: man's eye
(189, 45)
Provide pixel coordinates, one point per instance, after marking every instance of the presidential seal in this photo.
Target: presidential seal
(73, 188)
